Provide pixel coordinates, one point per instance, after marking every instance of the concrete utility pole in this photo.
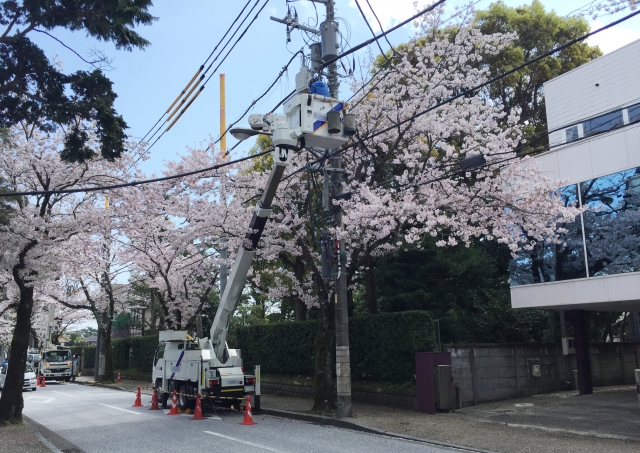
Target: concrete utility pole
(343, 361)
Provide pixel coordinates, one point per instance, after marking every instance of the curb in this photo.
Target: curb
(344, 424)
(105, 386)
(49, 439)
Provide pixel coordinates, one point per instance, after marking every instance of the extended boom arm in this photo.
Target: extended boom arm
(284, 140)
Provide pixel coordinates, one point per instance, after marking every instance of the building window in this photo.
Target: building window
(572, 134)
(603, 123)
(634, 113)
(612, 222)
(550, 262)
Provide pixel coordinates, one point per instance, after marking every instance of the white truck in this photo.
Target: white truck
(56, 363)
(207, 365)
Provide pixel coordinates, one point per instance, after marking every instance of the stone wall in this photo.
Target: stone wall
(493, 372)
(405, 400)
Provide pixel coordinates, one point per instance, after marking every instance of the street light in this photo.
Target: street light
(240, 133)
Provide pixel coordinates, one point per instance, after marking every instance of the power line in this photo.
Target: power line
(195, 75)
(133, 183)
(501, 76)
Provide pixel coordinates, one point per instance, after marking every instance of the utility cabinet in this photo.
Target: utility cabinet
(444, 388)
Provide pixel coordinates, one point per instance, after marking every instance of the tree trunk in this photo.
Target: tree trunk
(370, 287)
(325, 364)
(300, 307)
(108, 355)
(11, 402)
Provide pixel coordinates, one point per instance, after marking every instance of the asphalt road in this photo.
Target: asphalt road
(100, 420)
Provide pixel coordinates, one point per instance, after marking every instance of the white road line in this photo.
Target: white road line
(62, 393)
(245, 442)
(120, 409)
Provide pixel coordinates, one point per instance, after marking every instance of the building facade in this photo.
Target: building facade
(593, 116)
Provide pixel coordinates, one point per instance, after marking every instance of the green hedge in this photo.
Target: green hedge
(136, 352)
(120, 354)
(382, 346)
(281, 348)
(88, 357)
(142, 351)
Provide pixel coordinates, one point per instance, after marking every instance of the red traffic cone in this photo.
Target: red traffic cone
(119, 379)
(138, 402)
(248, 416)
(174, 404)
(197, 415)
(44, 381)
(154, 401)
(38, 381)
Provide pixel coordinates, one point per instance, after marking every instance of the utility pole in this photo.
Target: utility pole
(329, 34)
(321, 53)
(223, 151)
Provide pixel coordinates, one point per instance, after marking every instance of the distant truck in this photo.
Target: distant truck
(56, 364)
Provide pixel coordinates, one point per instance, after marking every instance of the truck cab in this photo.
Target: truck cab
(56, 364)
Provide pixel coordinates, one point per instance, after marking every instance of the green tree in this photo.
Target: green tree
(34, 91)
(538, 31)
(467, 289)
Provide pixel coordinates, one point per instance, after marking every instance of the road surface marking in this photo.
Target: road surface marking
(39, 399)
(62, 393)
(120, 409)
(245, 442)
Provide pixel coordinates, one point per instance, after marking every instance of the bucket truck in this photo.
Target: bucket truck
(207, 365)
(55, 363)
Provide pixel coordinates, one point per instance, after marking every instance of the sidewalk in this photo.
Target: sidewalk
(20, 439)
(472, 427)
(556, 423)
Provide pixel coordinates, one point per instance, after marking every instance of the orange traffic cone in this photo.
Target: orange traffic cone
(248, 416)
(197, 415)
(38, 381)
(154, 401)
(174, 404)
(119, 379)
(138, 402)
(44, 381)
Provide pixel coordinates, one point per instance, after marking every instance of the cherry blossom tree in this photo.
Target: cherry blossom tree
(404, 178)
(173, 232)
(40, 227)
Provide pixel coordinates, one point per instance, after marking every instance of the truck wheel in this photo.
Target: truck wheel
(163, 399)
(185, 402)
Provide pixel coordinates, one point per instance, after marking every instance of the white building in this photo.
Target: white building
(593, 115)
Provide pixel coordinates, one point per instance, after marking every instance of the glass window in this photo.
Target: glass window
(572, 134)
(28, 368)
(549, 262)
(612, 222)
(603, 123)
(57, 356)
(634, 113)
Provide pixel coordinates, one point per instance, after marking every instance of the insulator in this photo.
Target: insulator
(349, 124)
(333, 121)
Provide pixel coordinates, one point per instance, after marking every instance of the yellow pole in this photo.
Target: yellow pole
(223, 117)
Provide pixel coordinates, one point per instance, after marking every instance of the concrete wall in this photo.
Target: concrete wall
(407, 400)
(493, 372)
